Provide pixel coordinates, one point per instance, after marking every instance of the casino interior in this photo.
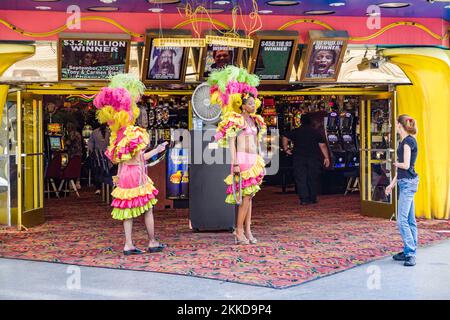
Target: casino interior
(50, 75)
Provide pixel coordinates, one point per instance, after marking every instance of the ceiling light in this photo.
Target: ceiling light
(393, 5)
(265, 11)
(283, 3)
(108, 1)
(447, 6)
(373, 14)
(334, 3)
(163, 1)
(222, 2)
(215, 10)
(156, 10)
(319, 12)
(43, 8)
(103, 9)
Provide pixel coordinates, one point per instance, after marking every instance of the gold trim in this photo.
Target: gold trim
(225, 26)
(212, 21)
(362, 155)
(298, 21)
(399, 24)
(65, 26)
(369, 146)
(19, 160)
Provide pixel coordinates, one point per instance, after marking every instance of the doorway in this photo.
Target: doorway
(378, 142)
(22, 161)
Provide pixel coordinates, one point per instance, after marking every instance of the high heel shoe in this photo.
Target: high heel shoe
(252, 240)
(240, 242)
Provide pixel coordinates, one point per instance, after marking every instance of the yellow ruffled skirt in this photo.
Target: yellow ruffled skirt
(251, 179)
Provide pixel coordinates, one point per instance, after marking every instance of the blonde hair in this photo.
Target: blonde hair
(408, 123)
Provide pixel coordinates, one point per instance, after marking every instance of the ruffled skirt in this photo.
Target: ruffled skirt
(134, 194)
(252, 169)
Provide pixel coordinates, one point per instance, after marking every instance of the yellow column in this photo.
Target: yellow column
(428, 101)
(9, 54)
(3, 195)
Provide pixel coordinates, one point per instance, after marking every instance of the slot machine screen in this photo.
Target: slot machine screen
(346, 122)
(55, 143)
(54, 128)
(332, 122)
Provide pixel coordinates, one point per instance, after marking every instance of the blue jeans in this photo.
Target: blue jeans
(406, 219)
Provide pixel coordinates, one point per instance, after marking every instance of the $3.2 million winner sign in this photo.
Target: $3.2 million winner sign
(94, 59)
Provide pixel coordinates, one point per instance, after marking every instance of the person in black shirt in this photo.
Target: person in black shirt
(407, 181)
(309, 147)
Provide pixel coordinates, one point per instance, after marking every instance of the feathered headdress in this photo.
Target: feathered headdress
(116, 103)
(116, 106)
(228, 86)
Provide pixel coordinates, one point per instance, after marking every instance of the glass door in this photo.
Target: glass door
(378, 141)
(7, 140)
(30, 161)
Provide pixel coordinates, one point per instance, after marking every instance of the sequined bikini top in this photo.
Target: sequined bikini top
(249, 130)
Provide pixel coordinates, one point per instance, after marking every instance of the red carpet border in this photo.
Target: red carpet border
(296, 244)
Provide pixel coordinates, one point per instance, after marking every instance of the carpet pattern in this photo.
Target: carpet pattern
(296, 244)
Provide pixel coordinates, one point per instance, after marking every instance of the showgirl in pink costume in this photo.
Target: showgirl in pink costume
(234, 89)
(134, 193)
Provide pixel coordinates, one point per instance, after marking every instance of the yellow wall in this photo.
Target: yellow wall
(428, 101)
(3, 195)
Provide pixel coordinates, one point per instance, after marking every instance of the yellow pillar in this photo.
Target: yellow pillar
(9, 54)
(428, 101)
(3, 195)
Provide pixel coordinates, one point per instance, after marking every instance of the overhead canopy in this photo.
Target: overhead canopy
(42, 67)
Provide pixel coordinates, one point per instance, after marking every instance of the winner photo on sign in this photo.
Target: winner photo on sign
(324, 59)
(93, 59)
(218, 57)
(165, 63)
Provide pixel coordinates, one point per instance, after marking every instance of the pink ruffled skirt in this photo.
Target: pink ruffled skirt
(134, 194)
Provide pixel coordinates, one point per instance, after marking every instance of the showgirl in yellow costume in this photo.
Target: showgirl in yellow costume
(234, 89)
(134, 193)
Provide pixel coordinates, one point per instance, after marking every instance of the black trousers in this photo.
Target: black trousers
(307, 174)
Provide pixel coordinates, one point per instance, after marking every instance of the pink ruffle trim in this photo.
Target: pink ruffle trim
(223, 130)
(247, 183)
(129, 149)
(135, 202)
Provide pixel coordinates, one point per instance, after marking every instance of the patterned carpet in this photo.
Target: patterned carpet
(296, 244)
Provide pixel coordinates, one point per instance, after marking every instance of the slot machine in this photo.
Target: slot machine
(347, 129)
(338, 154)
(55, 142)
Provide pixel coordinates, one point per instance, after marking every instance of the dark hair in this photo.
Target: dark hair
(250, 95)
(408, 123)
(103, 130)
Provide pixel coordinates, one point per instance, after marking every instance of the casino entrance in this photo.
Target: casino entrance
(356, 122)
